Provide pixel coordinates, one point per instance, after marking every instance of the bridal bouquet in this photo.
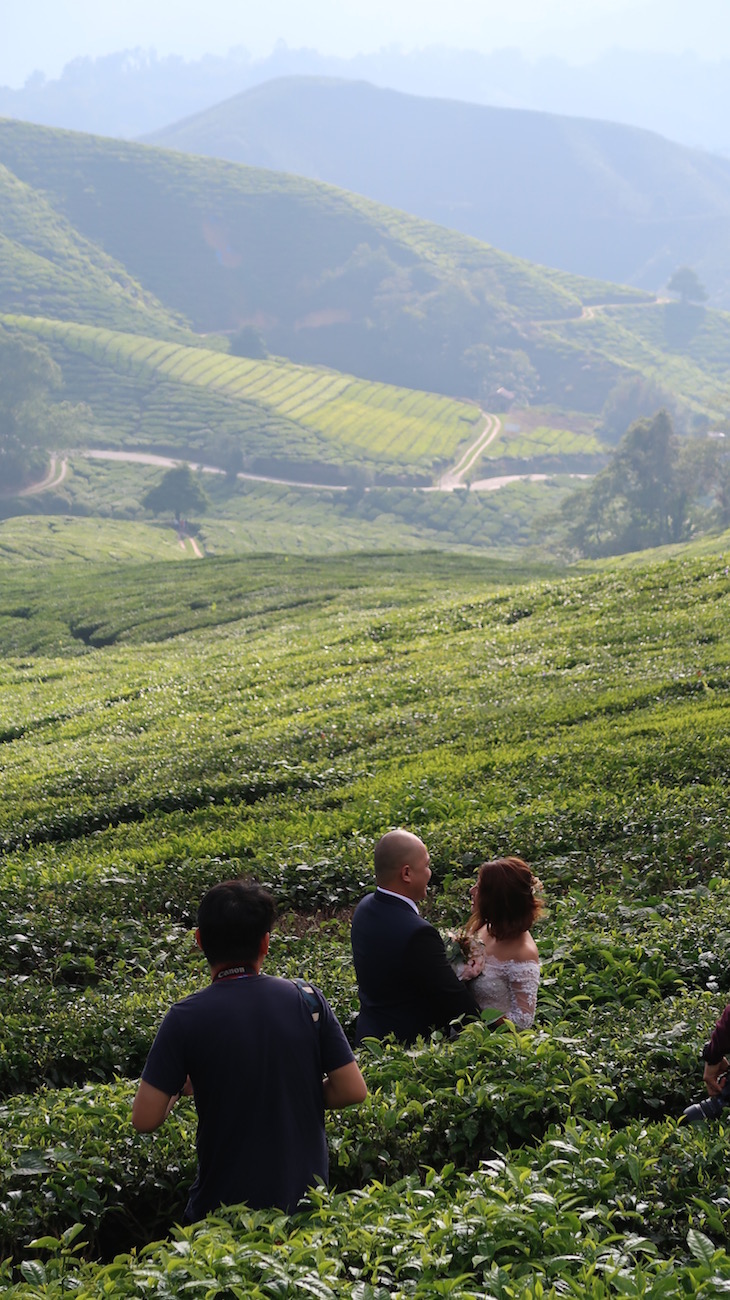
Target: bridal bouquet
(466, 954)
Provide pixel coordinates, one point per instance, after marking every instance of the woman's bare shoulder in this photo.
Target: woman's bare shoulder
(521, 948)
(530, 948)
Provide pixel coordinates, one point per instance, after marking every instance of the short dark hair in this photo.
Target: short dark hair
(233, 918)
(506, 900)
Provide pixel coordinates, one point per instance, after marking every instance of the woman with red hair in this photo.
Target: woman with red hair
(497, 952)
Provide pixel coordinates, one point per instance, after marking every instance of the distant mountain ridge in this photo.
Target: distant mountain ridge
(133, 91)
(590, 197)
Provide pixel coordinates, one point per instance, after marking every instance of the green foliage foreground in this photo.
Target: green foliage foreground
(271, 719)
(590, 1212)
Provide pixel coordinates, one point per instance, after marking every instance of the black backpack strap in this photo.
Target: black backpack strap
(309, 996)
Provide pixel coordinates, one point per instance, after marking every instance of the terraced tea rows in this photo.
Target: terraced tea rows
(353, 421)
(683, 349)
(528, 444)
(272, 717)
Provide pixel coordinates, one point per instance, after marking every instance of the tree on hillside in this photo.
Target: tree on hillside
(178, 491)
(498, 368)
(640, 499)
(225, 450)
(721, 489)
(709, 466)
(30, 420)
(634, 397)
(248, 341)
(688, 285)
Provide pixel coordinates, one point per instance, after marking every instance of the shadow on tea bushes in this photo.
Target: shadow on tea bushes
(79, 1160)
(507, 1230)
(66, 1036)
(461, 1101)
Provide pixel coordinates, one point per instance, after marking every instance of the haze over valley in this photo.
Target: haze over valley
(324, 286)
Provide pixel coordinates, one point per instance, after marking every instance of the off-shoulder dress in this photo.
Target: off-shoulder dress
(510, 987)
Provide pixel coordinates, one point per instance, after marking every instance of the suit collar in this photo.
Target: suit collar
(399, 898)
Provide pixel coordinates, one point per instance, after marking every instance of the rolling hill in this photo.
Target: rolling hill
(149, 241)
(591, 197)
(149, 256)
(167, 726)
(46, 265)
(145, 393)
(328, 277)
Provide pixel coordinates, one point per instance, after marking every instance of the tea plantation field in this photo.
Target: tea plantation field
(144, 392)
(97, 512)
(165, 726)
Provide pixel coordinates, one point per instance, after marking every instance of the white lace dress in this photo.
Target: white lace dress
(508, 986)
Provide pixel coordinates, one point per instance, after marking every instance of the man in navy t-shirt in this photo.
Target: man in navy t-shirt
(262, 1059)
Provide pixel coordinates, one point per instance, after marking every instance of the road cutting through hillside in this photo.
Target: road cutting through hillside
(168, 462)
(56, 474)
(450, 481)
(454, 478)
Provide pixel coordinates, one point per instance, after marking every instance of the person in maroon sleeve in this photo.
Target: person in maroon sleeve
(714, 1055)
(262, 1057)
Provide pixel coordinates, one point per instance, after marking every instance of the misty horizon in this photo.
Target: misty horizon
(41, 40)
(132, 93)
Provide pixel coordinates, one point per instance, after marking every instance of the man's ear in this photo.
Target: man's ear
(197, 940)
(264, 945)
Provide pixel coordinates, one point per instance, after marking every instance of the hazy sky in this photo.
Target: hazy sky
(47, 34)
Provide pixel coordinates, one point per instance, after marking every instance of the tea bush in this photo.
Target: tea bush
(460, 1101)
(249, 720)
(574, 1217)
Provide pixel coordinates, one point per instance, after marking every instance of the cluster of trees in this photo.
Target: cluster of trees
(634, 397)
(657, 488)
(248, 341)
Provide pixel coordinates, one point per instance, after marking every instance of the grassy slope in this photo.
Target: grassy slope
(684, 348)
(245, 516)
(269, 718)
(425, 296)
(38, 539)
(334, 278)
(132, 184)
(223, 592)
(48, 266)
(592, 197)
(287, 422)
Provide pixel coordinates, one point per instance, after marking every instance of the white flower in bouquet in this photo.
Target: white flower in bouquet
(466, 953)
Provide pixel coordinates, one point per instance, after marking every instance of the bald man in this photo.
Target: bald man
(405, 982)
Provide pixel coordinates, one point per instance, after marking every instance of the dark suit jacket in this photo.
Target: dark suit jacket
(406, 984)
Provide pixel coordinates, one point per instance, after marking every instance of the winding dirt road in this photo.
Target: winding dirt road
(454, 478)
(168, 462)
(56, 474)
(451, 480)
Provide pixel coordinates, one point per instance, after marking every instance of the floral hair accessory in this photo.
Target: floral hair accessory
(537, 886)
